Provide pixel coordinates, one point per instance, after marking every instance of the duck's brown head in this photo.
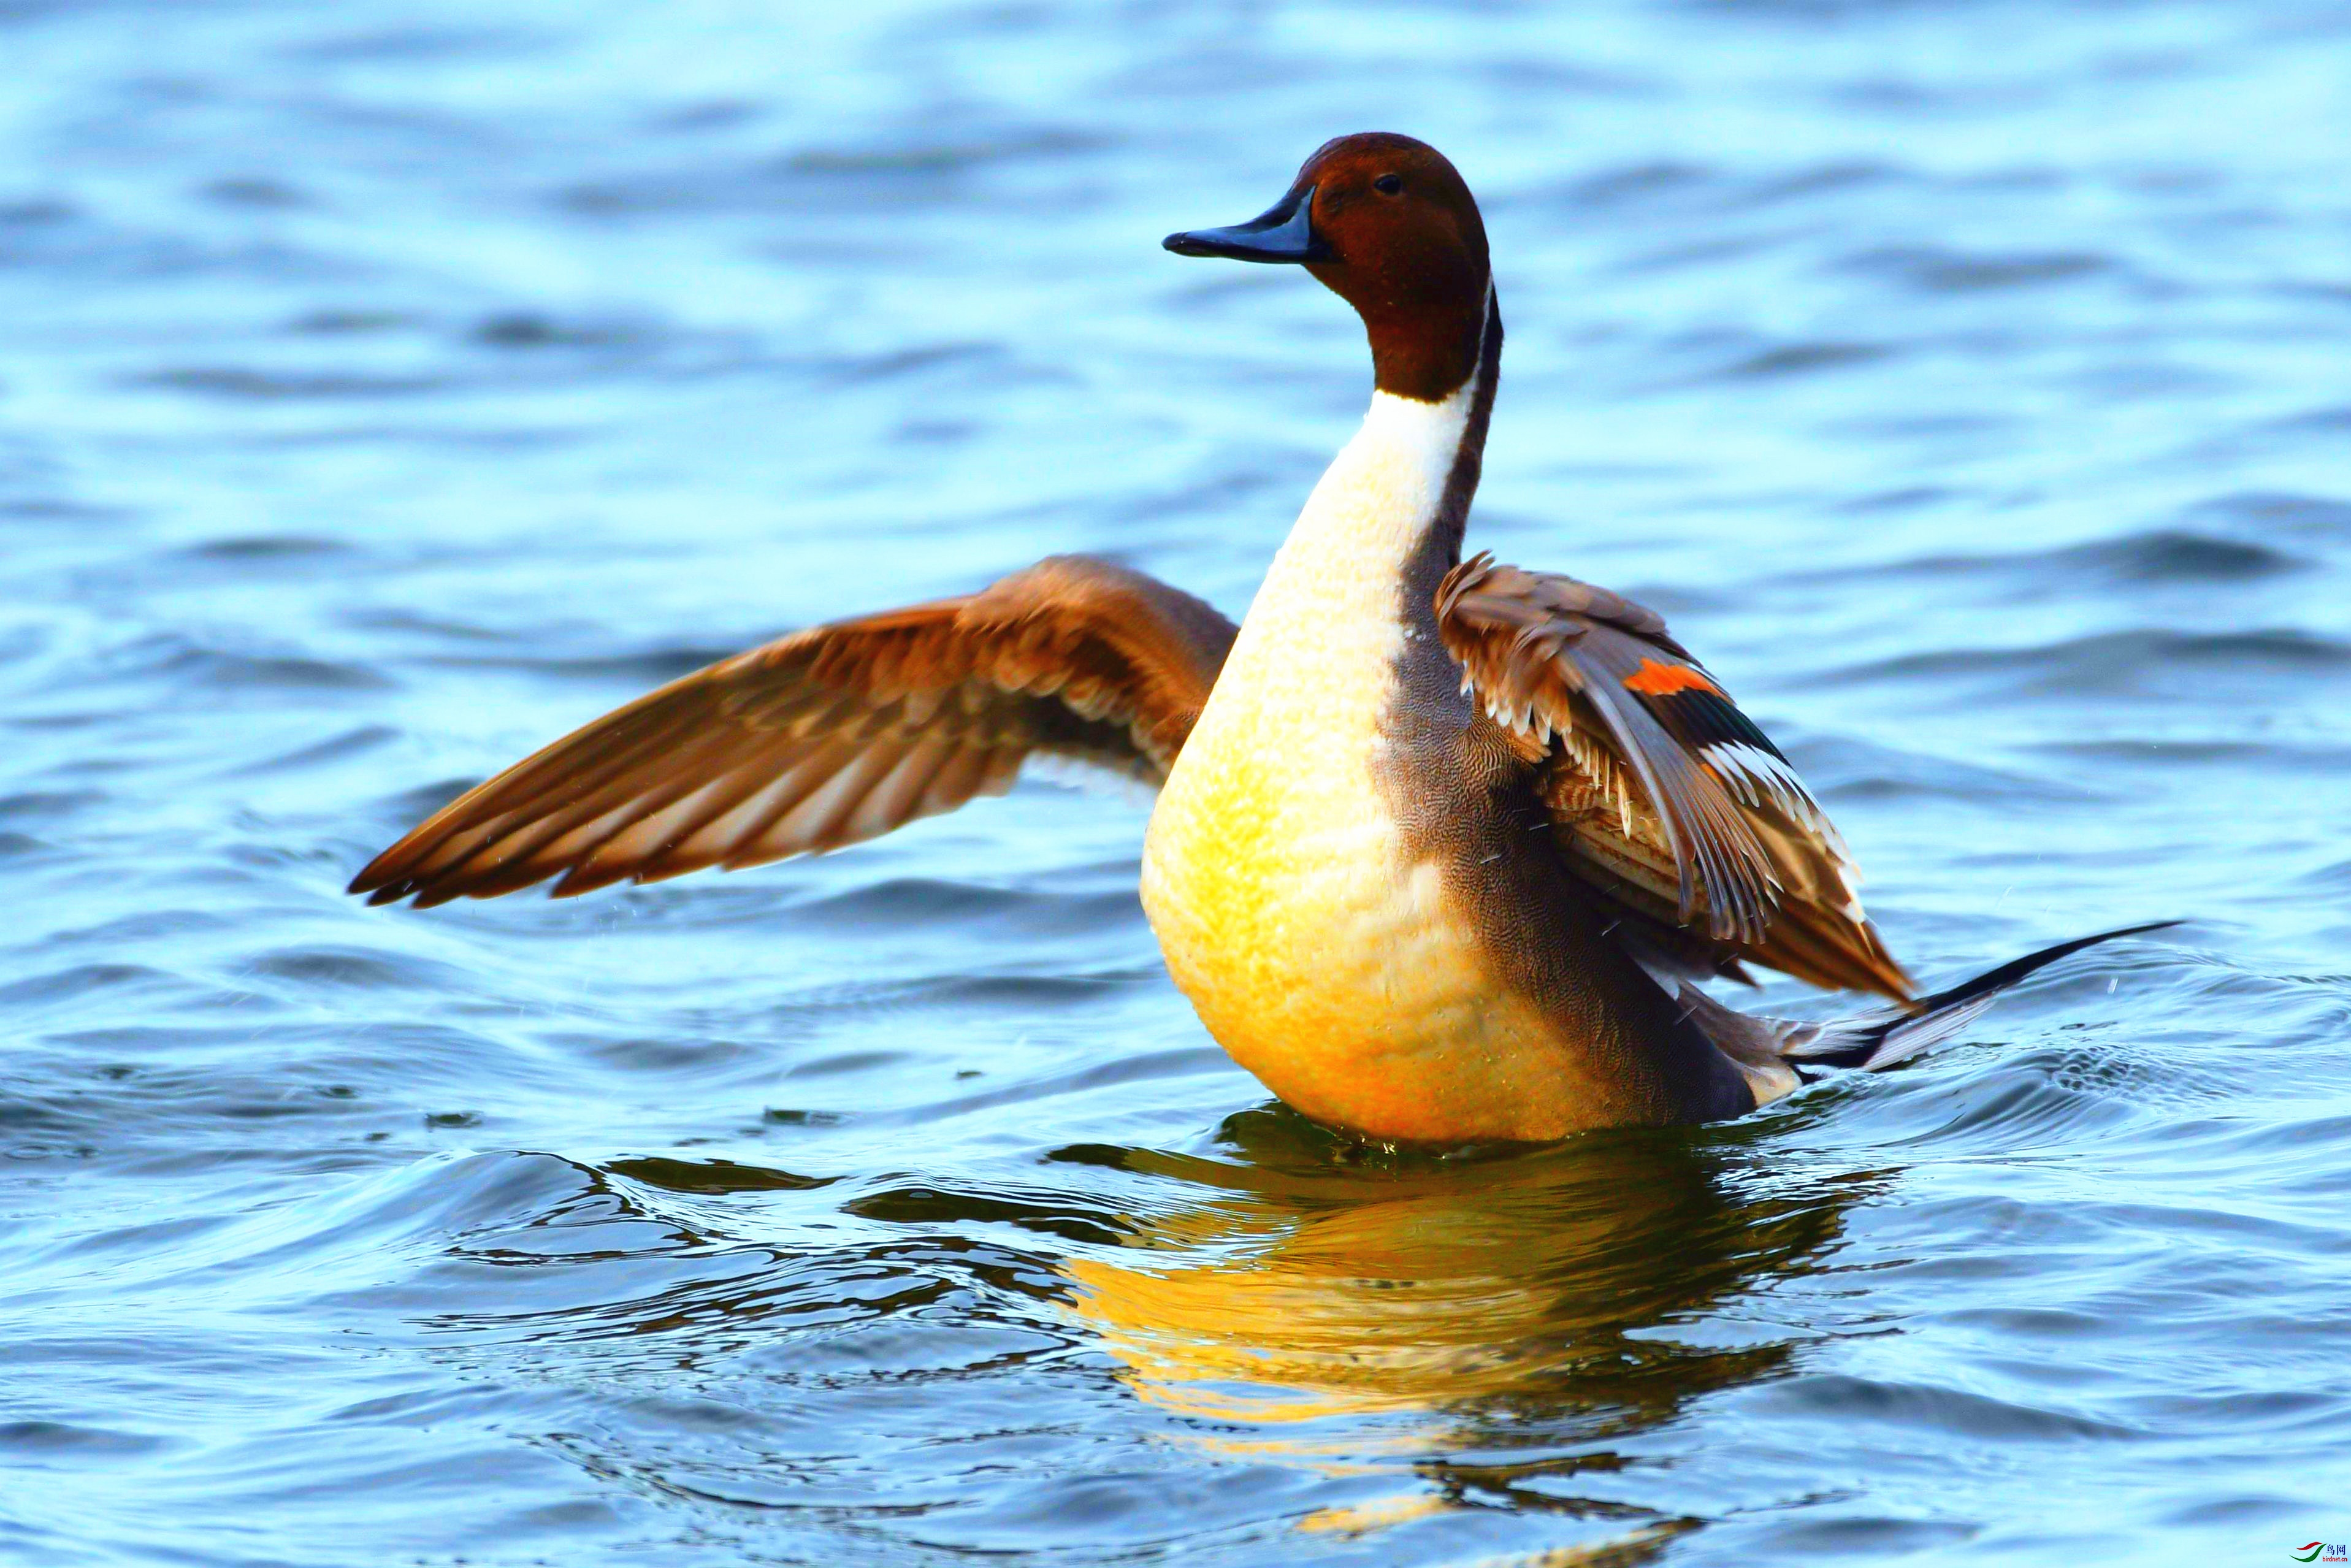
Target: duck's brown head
(1387, 225)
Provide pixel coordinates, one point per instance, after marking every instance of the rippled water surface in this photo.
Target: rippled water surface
(387, 387)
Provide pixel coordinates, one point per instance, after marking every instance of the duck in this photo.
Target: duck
(1443, 849)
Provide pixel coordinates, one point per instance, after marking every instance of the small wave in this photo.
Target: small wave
(403, 44)
(945, 157)
(349, 968)
(2027, 1101)
(1023, 994)
(653, 667)
(1838, 175)
(1638, 184)
(712, 1176)
(80, 980)
(2273, 511)
(2156, 556)
(21, 846)
(2114, 661)
(2163, 751)
(1876, 1536)
(529, 330)
(36, 213)
(1938, 270)
(266, 549)
(2336, 876)
(989, 360)
(58, 509)
(1930, 1407)
(899, 903)
(1035, 1090)
(258, 191)
(1804, 359)
(861, 174)
(1047, 1213)
(49, 805)
(2175, 555)
(2148, 557)
(417, 623)
(1843, 768)
(185, 663)
(344, 1234)
(786, 1117)
(2101, 1086)
(710, 114)
(270, 386)
(31, 230)
(350, 323)
(2321, 1140)
(351, 743)
(843, 1063)
(2330, 421)
(36, 1442)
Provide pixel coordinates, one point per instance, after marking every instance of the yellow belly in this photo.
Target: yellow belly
(1323, 956)
(1338, 971)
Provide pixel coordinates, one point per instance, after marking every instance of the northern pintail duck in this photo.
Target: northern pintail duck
(1439, 844)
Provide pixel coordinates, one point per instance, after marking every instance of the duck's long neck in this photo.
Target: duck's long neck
(1384, 524)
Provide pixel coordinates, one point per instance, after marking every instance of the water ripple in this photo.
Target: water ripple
(387, 391)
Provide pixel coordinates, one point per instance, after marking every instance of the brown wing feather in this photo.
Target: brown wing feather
(1663, 794)
(832, 736)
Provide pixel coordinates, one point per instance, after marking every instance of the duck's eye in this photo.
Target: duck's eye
(1387, 185)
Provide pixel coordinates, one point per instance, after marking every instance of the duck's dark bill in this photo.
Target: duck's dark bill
(1283, 232)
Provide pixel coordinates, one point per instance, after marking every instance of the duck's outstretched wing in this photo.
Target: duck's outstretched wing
(833, 735)
(1663, 794)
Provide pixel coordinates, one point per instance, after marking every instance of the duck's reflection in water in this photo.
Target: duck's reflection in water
(1478, 1322)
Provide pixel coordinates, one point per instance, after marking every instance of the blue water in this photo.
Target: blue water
(387, 387)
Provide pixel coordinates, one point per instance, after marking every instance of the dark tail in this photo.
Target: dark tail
(1882, 1039)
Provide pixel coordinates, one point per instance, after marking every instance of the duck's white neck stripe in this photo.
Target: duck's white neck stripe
(1375, 506)
(1369, 521)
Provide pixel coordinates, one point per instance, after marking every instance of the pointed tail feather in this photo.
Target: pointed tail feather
(1881, 1039)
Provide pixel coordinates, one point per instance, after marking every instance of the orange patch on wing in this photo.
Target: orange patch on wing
(1656, 680)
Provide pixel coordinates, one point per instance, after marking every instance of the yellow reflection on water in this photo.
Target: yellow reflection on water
(1288, 1290)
